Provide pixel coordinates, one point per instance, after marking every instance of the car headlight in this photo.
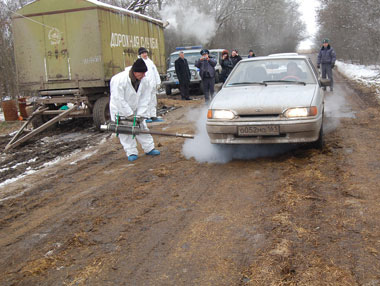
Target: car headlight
(220, 114)
(301, 112)
(168, 75)
(193, 73)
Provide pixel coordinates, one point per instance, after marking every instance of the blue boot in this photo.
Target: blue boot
(132, 158)
(157, 119)
(154, 152)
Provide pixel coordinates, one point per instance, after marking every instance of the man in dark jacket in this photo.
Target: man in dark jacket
(226, 65)
(251, 54)
(206, 65)
(235, 58)
(183, 74)
(327, 58)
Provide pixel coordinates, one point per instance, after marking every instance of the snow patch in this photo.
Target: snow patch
(84, 157)
(369, 75)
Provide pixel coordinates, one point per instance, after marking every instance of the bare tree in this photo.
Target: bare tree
(353, 27)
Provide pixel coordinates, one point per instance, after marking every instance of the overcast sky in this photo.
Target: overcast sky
(307, 8)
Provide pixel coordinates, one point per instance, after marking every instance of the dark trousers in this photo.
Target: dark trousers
(208, 88)
(184, 88)
(327, 70)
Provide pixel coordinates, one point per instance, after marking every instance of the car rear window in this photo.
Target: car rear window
(190, 57)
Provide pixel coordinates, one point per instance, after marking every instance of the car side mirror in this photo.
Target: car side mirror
(325, 82)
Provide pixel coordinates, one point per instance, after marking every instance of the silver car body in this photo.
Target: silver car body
(272, 107)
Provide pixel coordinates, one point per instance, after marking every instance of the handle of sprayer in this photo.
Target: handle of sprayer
(133, 127)
(117, 123)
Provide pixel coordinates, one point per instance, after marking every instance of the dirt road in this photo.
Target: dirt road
(304, 217)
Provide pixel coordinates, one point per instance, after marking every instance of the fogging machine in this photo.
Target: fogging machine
(123, 126)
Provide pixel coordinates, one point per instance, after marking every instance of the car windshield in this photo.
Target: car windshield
(272, 71)
(190, 57)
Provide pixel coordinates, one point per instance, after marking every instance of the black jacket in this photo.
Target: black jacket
(235, 60)
(206, 68)
(182, 70)
(227, 67)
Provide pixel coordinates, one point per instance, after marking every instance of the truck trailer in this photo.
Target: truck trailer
(67, 51)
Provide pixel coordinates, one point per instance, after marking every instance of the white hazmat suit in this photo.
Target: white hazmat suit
(154, 80)
(125, 101)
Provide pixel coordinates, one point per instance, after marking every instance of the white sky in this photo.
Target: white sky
(307, 9)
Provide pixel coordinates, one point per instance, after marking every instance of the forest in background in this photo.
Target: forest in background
(353, 26)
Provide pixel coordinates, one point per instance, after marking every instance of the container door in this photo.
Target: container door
(57, 61)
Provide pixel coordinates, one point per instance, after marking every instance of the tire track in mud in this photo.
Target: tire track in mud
(290, 220)
(319, 232)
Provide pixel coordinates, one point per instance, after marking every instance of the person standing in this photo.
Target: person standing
(130, 98)
(226, 65)
(251, 54)
(183, 74)
(327, 58)
(235, 58)
(155, 82)
(206, 65)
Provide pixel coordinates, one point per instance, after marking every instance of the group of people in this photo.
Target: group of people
(133, 91)
(206, 65)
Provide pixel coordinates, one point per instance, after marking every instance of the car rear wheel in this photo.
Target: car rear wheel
(168, 90)
(217, 77)
(201, 88)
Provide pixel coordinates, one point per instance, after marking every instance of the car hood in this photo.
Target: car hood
(270, 99)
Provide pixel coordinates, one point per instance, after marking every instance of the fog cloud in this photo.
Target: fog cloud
(189, 22)
(203, 151)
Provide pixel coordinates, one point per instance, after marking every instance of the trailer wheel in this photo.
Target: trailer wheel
(41, 119)
(168, 90)
(37, 121)
(101, 112)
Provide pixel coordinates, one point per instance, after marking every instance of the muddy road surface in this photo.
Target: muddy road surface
(300, 217)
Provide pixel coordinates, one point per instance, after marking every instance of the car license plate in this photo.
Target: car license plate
(177, 82)
(257, 130)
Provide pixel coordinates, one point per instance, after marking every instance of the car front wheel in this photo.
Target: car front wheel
(319, 143)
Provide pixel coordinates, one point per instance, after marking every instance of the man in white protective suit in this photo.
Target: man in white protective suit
(130, 97)
(155, 82)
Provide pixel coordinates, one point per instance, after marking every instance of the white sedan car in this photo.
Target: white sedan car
(265, 100)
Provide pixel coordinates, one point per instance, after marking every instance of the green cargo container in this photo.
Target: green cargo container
(69, 50)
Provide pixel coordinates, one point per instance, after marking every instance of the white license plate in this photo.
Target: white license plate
(257, 130)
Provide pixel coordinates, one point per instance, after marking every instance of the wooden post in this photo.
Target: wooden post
(41, 128)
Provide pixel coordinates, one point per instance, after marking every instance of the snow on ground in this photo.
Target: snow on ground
(368, 75)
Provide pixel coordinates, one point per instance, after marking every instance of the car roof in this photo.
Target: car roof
(186, 51)
(283, 54)
(195, 51)
(278, 56)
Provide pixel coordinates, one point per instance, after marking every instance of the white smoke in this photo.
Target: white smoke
(336, 108)
(189, 22)
(203, 151)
